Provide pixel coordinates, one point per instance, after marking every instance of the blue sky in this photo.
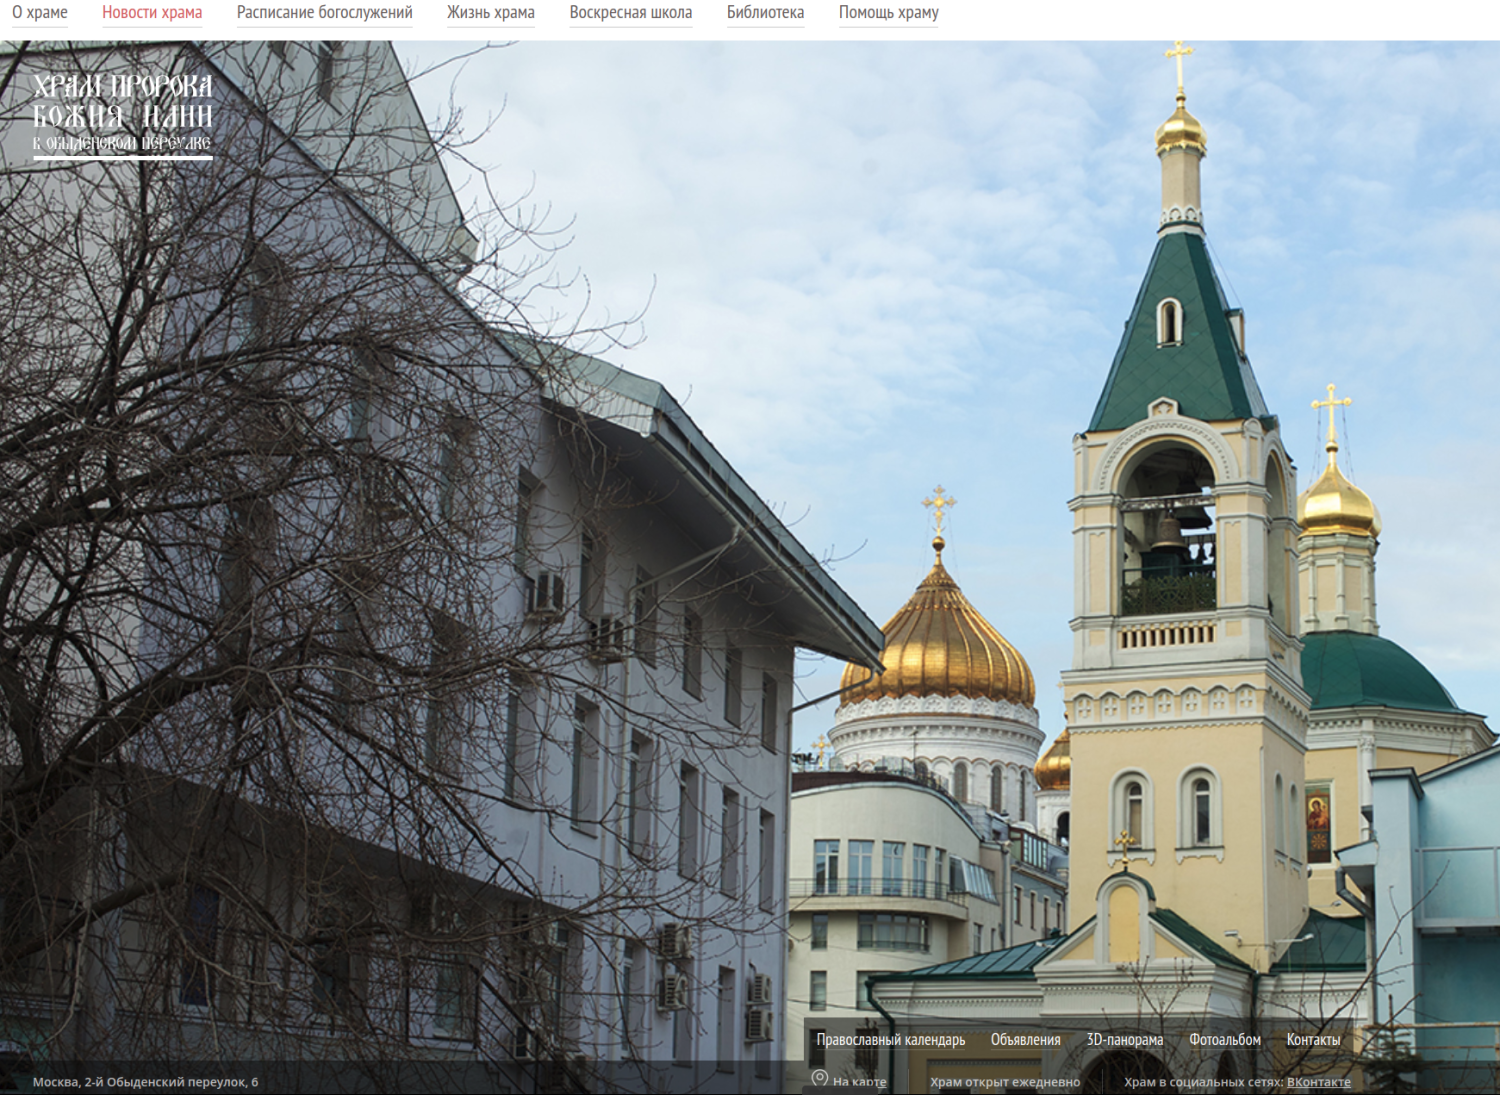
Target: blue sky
(867, 269)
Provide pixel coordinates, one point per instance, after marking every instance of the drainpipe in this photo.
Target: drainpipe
(1371, 957)
(891, 1058)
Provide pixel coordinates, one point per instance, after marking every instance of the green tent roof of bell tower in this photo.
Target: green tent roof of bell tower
(1204, 372)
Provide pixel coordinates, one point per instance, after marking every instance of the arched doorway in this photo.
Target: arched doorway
(1109, 1073)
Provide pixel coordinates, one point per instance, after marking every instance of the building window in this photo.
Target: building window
(1130, 811)
(817, 1049)
(327, 78)
(729, 844)
(938, 877)
(1318, 817)
(455, 471)
(817, 991)
(646, 617)
(200, 931)
(527, 489)
(453, 1002)
(978, 939)
(632, 1000)
(767, 860)
(734, 669)
(1046, 914)
(893, 931)
(687, 821)
(591, 568)
(1199, 809)
(726, 1020)
(1279, 806)
(1294, 839)
(919, 870)
(444, 737)
(638, 796)
(692, 654)
(333, 977)
(770, 712)
(1016, 896)
(820, 931)
(585, 800)
(825, 866)
(997, 789)
(1033, 909)
(1169, 318)
(861, 866)
(961, 781)
(892, 875)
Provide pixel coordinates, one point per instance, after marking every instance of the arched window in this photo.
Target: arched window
(997, 789)
(1279, 806)
(921, 769)
(1294, 832)
(1062, 827)
(1169, 322)
(961, 781)
(1200, 810)
(1131, 811)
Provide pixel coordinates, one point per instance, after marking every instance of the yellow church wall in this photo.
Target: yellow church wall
(1124, 925)
(1081, 950)
(1213, 894)
(1165, 948)
(1409, 758)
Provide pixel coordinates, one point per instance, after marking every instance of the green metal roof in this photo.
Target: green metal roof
(1337, 944)
(1011, 963)
(1351, 669)
(1204, 372)
(1194, 938)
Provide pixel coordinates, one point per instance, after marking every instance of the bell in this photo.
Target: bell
(1195, 517)
(1169, 536)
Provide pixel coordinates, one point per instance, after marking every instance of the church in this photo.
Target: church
(1228, 698)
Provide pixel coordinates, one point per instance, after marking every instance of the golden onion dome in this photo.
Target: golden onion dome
(1181, 130)
(1054, 772)
(1333, 504)
(939, 645)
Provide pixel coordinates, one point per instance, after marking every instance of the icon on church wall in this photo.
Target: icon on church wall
(1319, 834)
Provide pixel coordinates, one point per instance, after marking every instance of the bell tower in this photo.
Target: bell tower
(1186, 712)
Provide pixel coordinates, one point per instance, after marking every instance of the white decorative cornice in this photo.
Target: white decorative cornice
(974, 706)
(1226, 469)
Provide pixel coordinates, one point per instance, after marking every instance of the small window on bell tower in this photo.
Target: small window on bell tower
(1169, 323)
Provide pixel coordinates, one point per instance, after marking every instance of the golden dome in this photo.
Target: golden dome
(1181, 130)
(1333, 504)
(1054, 772)
(939, 645)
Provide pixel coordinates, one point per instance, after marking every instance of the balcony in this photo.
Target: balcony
(1458, 889)
(876, 893)
(1169, 589)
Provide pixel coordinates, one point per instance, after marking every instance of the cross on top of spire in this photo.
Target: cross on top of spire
(1179, 52)
(1333, 441)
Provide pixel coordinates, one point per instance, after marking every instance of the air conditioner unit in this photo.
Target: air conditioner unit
(607, 639)
(671, 993)
(523, 1045)
(547, 596)
(759, 1025)
(760, 989)
(674, 943)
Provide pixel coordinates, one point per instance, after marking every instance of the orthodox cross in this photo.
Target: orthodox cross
(1124, 841)
(936, 504)
(1330, 403)
(1180, 52)
(821, 745)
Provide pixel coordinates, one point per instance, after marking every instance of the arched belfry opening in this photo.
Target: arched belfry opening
(1280, 548)
(1169, 539)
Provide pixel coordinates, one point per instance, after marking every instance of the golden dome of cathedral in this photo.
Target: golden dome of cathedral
(1333, 504)
(1054, 772)
(1181, 130)
(939, 645)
